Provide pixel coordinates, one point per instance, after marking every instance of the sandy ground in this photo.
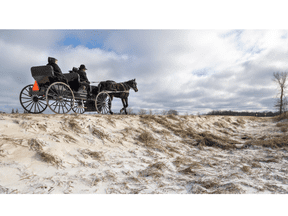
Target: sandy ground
(56, 154)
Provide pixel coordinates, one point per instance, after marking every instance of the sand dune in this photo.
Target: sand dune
(141, 154)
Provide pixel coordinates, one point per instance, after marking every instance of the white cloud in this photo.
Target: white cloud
(179, 69)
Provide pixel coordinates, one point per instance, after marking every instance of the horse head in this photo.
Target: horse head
(134, 85)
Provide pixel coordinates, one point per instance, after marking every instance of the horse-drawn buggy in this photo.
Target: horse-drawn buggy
(74, 95)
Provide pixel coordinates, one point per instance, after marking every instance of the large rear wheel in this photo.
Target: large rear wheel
(103, 103)
(32, 103)
(60, 98)
(79, 107)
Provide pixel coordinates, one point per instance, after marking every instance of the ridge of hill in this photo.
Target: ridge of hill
(142, 154)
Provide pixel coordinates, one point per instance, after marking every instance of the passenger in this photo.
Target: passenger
(74, 70)
(57, 71)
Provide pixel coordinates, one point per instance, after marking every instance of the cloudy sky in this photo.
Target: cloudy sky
(191, 58)
(186, 70)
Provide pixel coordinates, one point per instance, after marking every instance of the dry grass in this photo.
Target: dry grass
(109, 119)
(215, 187)
(246, 169)
(100, 134)
(163, 132)
(66, 137)
(274, 142)
(74, 125)
(283, 126)
(220, 124)
(146, 138)
(188, 171)
(208, 139)
(181, 161)
(281, 117)
(227, 119)
(158, 165)
(148, 141)
(35, 145)
(204, 138)
(49, 158)
(173, 117)
(256, 165)
(92, 154)
(154, 171)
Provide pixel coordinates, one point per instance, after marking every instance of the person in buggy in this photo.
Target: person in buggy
(91, 90)
(74, 70)
(57, 71)
(84, 80)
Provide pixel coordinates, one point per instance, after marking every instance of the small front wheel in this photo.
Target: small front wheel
(79, 107)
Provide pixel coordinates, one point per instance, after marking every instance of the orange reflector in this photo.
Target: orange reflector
(35, 86)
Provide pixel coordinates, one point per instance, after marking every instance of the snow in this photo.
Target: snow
(85, 154)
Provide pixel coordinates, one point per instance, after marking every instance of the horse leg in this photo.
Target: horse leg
(126, 104)
(123, 105)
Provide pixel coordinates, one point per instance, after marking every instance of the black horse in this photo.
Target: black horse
(121, 91)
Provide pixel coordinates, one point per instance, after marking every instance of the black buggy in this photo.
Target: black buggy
(47, 91)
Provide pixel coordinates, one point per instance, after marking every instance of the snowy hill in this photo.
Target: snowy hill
(141, 154)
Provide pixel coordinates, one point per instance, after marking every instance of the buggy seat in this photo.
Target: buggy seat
(43, 74)
(74, 81)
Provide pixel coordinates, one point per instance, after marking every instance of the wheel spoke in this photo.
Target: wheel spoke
(25, 97)
(29, 104)
(27, 101)
(40, 102)
(55, 90)
(62, 108)
(55, 106)
(27, 91)
(65, 106)
(53, 103)
(31, 107)
(40, 105)
(26, 94)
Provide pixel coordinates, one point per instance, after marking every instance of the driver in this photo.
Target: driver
(83, 77)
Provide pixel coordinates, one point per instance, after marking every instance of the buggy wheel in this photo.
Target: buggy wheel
(103, 103)
(79, 107)
(32, 103)
(60, 98)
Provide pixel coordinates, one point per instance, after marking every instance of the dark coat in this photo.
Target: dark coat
(56, 68)
(57, 71)
(83, 76)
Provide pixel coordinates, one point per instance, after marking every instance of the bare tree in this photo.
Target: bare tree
(172, 112)
(163, 112)
(129, 111)
(12, 111)
(150, 112)
(142, 112)
(280, 79)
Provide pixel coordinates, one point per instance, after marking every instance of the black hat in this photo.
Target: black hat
(82, 67)
(52, 60)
